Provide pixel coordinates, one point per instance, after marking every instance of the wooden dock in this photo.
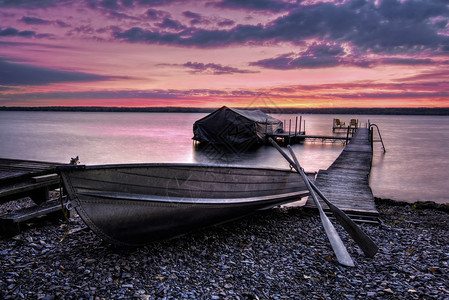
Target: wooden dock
(23, 178)
(288, 139)
(346, 181)
(33, 179)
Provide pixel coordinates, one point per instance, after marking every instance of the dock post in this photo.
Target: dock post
(347, 134)
(300, 121)
(266, 130)
(296, 126)
(289, 130)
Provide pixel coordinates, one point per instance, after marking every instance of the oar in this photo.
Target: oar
(339, 248)
(362, 239)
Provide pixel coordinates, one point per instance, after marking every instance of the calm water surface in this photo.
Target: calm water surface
(415, 167)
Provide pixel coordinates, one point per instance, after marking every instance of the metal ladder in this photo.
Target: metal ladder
(371, 127)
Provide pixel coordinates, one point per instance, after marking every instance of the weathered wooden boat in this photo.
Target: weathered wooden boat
(134, 204)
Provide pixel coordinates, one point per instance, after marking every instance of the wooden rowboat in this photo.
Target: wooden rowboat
(134, 204)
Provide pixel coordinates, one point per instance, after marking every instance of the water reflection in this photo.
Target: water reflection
(223, 154)
(415, 166)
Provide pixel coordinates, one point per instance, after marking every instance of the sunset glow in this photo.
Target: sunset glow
(148, 53)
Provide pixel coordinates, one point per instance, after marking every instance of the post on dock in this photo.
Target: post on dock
(296, 125)
(347, 135)
(266, 130)
(289, 130)
(300, 121)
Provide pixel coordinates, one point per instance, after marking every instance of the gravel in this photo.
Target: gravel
(279, 254)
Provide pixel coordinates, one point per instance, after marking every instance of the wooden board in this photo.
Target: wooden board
(24, 178)
(14, 222)
(346, 182)
(12, 169)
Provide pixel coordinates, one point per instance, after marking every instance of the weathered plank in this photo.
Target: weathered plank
(346, 181)
(12, 223)
(14, 169)
(23, 178)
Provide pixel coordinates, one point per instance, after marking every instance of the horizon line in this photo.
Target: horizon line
(283, 110)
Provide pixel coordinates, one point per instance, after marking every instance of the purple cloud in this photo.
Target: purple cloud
(393, 27)
(168, 23)
(215, 69)
(195, 18)
(269, 5)
(15, 32)
(155, 14)
(17, 74)
(317, 55)
(226, 23)
(30, 3)
(406, 61)
(34, 21)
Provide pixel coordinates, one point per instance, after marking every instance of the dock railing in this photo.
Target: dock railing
(371, 127)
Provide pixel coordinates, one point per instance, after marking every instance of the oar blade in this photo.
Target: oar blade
(361, 238)
(339, 248)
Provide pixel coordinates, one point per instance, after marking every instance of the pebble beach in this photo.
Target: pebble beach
(282, 253)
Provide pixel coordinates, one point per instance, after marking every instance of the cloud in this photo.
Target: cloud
(195, 18)
(31, 3)
(34, 21)
(270, 5)
(198, 19)
(431, 76)
(317, 55)
(393, 27)
(39, 21)
(13, 32)
(168, 23)
(215, 69)
(226, 22)
(155, 14)
(191, 36)
(169, 94)
(406, 61)
(20, 44)
(18, 74)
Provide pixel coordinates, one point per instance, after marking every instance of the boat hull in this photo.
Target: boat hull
(138, 204)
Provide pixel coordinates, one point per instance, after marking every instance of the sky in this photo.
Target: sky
(239, 53)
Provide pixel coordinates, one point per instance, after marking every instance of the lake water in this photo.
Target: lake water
(415, 166)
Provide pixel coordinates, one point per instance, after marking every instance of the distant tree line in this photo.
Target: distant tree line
(333, 110)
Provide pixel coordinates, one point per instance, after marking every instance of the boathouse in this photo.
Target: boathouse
(232, 126)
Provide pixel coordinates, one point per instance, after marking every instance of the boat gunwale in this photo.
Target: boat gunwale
(193, 200)
(64, 168)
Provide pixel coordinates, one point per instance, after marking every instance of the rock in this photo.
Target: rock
(280, 253)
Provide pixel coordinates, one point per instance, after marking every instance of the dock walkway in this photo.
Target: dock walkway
(291, 138)
(346, 181)
(22, 178)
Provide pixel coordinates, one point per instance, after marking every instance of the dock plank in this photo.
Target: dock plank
(23, 178)
(12, 169)
(346, 181)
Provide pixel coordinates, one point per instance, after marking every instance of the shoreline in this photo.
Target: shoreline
(416, 204)
(280, 253)
(431, 111)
